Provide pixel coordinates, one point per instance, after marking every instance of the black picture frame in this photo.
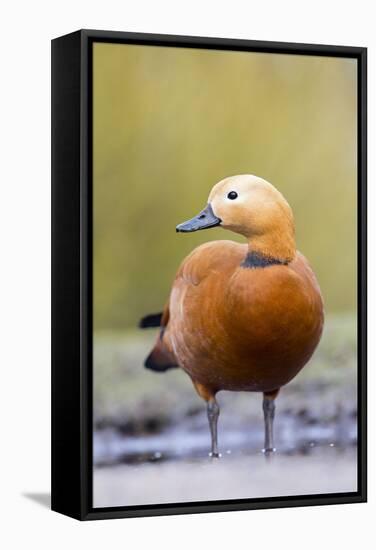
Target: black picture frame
(72, 377)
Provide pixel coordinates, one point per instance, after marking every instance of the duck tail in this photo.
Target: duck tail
(151, 321)
(159, 359)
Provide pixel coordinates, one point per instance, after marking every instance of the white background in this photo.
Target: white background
(27, 28)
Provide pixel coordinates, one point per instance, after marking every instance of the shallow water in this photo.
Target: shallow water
(294, 435)
(234, 476)
(313, 456)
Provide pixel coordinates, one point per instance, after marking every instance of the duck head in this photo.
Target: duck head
(254, 208)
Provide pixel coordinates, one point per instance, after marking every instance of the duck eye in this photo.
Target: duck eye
(232, 195)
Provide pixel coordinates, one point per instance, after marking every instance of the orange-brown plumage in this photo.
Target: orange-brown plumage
(236, 328)
(243, 317)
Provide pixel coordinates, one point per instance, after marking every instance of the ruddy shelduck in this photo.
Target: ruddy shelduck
(241, 317)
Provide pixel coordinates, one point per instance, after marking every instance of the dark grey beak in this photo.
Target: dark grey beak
(205, 219)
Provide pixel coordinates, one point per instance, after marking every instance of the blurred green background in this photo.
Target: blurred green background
(171, 122)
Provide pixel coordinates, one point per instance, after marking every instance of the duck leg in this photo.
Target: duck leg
(212, 409)
(213, 414)
(268, 406)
